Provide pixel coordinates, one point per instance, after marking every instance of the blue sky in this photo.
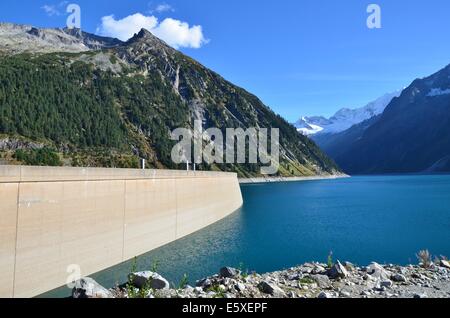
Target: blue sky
(301, 57)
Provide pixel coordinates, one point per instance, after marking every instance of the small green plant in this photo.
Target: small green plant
(184, 282)
(306, 281)
(219, 293)
(244, 272)
(131, 290)
(330, 259)
(424, 257)
(146, 290)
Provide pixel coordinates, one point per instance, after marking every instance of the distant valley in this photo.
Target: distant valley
(407, 132)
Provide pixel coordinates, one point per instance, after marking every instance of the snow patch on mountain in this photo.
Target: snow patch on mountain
(344, 118)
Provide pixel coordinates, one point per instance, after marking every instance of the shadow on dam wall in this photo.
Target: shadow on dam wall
(55, 219)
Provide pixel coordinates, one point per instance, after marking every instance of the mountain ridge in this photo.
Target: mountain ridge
(125, 99)
(344, 118)
(412, 135)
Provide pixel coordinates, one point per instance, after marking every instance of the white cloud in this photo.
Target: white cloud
(125, 28)
(51, 10)
(174, 32)
(54, 10)
(164, 7)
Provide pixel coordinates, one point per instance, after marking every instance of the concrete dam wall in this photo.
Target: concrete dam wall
(51, 218)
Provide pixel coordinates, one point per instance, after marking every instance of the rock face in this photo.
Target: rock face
(89, 288)
(16, 39)
(149, 279)
(8, 143)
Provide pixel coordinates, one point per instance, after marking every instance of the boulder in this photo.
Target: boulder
(445, 263)
(323, 295)
(349, 266)
(398, 278)
(377, 271)
(322, 281)
(318, 270)
(228, 272)
(271, 289)
(239, 287)
(292, 277)
(88, 288)
(198, 290)
(386, 283)
(345, 294)
(420, 296)
(338, 271)
(149, 279)
(206, 282)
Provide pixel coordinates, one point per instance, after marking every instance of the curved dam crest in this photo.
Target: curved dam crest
(94, 218)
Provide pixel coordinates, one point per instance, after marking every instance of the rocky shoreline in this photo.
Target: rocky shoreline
(290, 179)
(310, 280)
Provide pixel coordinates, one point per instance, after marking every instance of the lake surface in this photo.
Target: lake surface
(387, 219)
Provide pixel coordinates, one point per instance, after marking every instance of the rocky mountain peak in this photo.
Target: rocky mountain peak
(143, 36)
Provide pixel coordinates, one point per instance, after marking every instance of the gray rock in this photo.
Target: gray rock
(271, 289)
(206, 282)
(239, 287)
(445, 264)
(323, 295)
(377, 271)
(386, 283)
(349, 266)
(345, 293)
(337, 271)
(198, 290)
(398, 278)
(322, 281)
(293, 277)
(420, 296)
(88, 288)
(228, 272)
(291, 294)
(318, 270)
(149, 279)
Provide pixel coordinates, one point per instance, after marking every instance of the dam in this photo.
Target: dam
(52, 219)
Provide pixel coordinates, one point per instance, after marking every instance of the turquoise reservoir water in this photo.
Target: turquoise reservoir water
(387, 219)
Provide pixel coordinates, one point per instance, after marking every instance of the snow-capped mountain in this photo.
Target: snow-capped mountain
(344, 118)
